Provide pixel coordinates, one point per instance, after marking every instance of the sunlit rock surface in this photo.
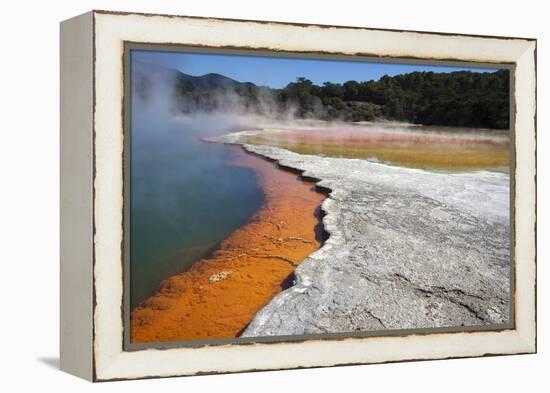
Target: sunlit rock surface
(407, 249)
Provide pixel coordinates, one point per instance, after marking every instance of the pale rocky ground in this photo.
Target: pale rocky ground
(408, 248)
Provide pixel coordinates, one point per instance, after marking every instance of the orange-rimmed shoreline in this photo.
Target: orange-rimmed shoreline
(218, 296)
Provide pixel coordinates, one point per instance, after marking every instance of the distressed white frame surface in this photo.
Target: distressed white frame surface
(112, 30)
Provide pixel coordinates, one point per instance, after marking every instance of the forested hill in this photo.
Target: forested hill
(463, 98)
(466, 99)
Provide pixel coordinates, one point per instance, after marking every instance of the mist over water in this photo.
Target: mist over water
(185, 199)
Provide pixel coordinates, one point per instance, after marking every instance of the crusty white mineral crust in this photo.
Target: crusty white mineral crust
(408, 248)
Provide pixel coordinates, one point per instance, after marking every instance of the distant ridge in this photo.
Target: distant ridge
(208, 81)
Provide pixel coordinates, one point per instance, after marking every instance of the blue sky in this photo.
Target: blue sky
(278, 72)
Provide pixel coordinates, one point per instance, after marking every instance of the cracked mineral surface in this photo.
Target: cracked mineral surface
(408, 248)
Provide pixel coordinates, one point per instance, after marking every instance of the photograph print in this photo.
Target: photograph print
(278, 197)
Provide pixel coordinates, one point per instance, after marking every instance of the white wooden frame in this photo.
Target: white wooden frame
(92, 194)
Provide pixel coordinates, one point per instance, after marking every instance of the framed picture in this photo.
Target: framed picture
(245, 195)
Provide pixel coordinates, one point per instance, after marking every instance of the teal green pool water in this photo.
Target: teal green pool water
(184, 197)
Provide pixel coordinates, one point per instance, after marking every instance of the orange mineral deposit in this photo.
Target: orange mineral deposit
(218, 296)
